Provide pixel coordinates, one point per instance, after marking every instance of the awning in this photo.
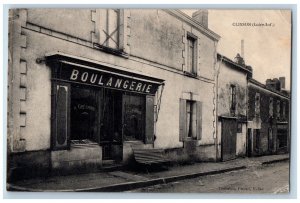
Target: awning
(80, 70)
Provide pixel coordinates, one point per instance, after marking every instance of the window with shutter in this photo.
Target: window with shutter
(199, 120)
(61, 115)
(190, 119)
(182, 119)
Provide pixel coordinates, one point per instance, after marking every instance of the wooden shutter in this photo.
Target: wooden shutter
(199, 120)
(149, 126)
(182, 119)
(60, 116)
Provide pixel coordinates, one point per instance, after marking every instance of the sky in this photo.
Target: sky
(266, 48)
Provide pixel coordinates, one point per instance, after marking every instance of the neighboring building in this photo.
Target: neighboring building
(232, 107)
(86, 86)
(268, 117)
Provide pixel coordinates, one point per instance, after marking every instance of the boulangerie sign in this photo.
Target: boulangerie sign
(97, 77)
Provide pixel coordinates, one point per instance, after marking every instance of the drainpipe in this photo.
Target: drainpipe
(217, 99)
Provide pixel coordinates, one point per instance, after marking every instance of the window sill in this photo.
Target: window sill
(111, 50)
(81, 143)
(191, 75)
(190, 139)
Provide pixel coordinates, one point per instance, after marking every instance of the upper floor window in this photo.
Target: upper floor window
(191, 55)
(271, 107)
(110, 28)
(278, 109)
(283, 109)
(257, 104)
(233, 99)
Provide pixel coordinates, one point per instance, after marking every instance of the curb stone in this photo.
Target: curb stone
(275, 161)
(132, 185)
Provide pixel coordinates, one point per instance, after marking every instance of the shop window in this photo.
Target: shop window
(134, 117)
(271, 107)
(233, 99)
(278, 109)
(190, 119)
(239, 127)
(84, 113)
(191, 55)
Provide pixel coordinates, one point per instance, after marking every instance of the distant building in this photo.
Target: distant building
(268, 117)
(253, 119)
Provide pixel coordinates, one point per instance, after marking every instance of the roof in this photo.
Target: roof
(255, 82)
(186, 18)
(233, 64)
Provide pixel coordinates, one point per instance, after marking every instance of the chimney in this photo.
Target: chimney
(242, 49)
(273, 84)
(201, 16)
(282, 82)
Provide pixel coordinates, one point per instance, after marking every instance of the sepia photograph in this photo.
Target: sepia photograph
(149, 100)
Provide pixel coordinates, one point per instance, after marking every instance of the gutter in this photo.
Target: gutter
(217, 99)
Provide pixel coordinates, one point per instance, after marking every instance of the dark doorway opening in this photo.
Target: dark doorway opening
(249, 142)
(111, 138)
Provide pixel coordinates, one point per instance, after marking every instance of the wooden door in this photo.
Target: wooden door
(249, 142)
(229, 131)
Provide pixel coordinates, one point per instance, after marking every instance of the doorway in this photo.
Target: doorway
(229, 131)
(96, 118)
(249, 142)
(111, 138)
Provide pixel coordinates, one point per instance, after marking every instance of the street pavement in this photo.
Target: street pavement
(271, 179)
(129, 180)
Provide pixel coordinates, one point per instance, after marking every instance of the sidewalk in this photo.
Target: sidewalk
(127, 180)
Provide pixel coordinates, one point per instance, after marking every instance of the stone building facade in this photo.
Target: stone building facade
(87, 86)
(232, 99)
(268, 117)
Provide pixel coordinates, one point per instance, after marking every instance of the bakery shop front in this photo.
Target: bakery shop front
(95, 109)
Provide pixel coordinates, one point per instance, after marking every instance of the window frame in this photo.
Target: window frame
(271, 107)
(100, 24)
(233, 99)
(239, 127)
(183, 134)
(192, 128)
(191, 70)
(278, 103)
(257, 104)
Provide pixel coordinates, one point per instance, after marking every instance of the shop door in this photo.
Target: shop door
(229, 131)
(111, 125)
